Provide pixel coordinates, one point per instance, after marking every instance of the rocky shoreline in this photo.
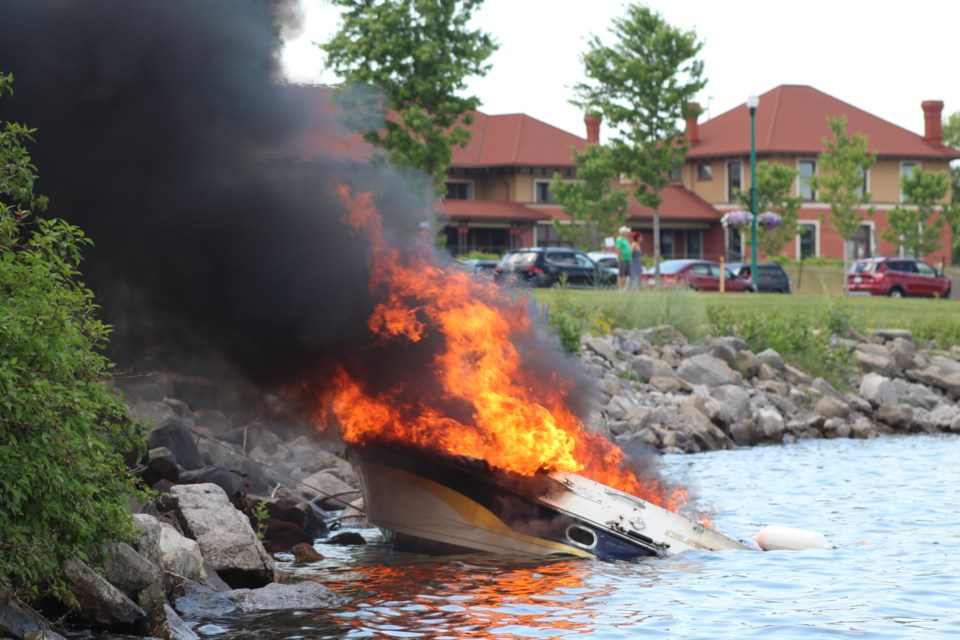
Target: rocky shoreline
(241, 487)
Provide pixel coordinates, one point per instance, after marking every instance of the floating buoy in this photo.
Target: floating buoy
(777, 538)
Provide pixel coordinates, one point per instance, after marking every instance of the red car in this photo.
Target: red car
(699, 275)
(897, 277)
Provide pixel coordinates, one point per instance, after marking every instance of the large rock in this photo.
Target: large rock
(99, 601)
(735, 404)
(275, 597)
(182, 558)
(707, 370)
(174, 434)
(877, 389)
(225, 536)
(329, 491)
(128, 570)
(17, 621)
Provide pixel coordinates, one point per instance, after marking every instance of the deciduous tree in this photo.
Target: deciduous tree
(951, 212)
(774, 185)
(917, 228)
(417, 55)
(840, 181)
(596, 208)
(643, 84)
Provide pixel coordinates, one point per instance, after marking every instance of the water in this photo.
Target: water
(890, 506)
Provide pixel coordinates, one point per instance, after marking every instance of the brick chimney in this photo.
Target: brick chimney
(932, 125)
(593, 120)
(693, 129)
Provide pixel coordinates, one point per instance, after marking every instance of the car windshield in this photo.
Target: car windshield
(519, 259)
(670, 267)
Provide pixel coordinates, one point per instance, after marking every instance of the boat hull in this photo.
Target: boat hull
(440, 504)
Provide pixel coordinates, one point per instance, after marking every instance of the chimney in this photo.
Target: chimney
(593, 120)
(932, 125)
(693, 129)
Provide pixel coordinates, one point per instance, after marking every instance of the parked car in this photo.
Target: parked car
(607, 260)
(480, 268)
(699, 275)
(771, 277)
(897, 277)
(543, 267)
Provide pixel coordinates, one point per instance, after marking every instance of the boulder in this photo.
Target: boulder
(99, 601)
(771, 423)
(181, 556)
(18, 621)
(830, 406)
(174, 435)
(707, 370)
(329, 491)
(735, 404)
(224, 534)
(275, 597)
(897, 416)
(770, 358)
(128, 570)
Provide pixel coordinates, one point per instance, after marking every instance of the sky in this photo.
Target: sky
(885, 61)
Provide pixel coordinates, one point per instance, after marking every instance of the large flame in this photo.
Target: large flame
(506, 416)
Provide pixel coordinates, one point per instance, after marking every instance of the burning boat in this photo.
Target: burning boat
(455, 505)
(460, 422)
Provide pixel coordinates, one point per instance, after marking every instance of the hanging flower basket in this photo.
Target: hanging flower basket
(768, 220)
(738, 219)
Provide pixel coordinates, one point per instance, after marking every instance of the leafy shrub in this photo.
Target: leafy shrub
(65, 487)
(803, 341)
(565, 319)
(943, 331)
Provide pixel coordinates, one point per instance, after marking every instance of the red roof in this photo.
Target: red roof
(678, 204)
(792, 119)
(494, 210)
(516, 140)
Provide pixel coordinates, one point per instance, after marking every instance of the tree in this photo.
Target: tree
(774, 186)
(595, 207)
(951, 212)
(917, 228)
(63, 433)
(643, 85)
(843, 165)
(417, 54)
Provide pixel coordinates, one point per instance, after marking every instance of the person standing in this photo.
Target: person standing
(636, 260)
(624, 256)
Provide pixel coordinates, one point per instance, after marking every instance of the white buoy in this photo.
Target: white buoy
(777, 538)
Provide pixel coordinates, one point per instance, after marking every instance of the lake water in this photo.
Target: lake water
(890, 506)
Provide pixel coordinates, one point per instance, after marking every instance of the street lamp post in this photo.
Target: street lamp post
(752, 102)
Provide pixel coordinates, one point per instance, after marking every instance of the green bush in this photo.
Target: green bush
(802, 340)
(565, 318)
(64, 487)
(943, 331)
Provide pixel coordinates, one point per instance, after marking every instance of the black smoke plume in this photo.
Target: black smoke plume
(165, 132)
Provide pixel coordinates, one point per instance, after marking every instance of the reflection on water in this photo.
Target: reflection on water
(890, 506)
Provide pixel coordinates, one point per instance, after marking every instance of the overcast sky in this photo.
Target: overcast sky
(883, 58)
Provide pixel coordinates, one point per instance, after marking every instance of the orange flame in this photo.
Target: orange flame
(513, 421)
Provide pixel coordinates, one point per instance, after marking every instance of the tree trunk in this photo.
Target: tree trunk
(656, 246)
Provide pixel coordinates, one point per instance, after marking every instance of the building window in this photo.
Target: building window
(459, 190)
(864, 187)
(906, 168)
(863, 242)
(667, 245)
(542, 193)
(695, 244)
(808, 239)
(704, 171)
(807, 169)
(675, 175)
(734, 179)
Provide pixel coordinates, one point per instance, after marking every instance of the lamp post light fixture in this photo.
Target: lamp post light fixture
(752, 103)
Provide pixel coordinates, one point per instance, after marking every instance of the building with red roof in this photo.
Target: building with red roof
(499, 197)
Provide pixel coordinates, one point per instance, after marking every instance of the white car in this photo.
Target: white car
(607, 260)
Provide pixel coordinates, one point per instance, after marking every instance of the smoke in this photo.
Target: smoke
(165, 133)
